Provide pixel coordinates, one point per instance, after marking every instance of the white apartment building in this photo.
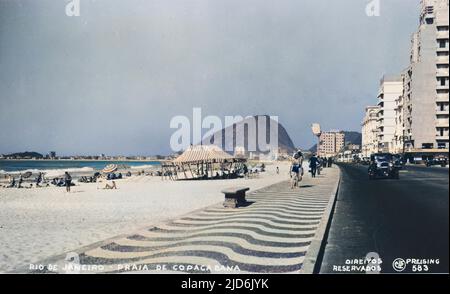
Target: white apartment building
(330, 143)
(399, 134)
(426, 82)
(369, 131)
(391, 88)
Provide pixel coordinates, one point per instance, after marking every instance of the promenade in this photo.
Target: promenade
(272, 234)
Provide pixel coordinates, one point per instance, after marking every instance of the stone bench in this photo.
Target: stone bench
(234, 196)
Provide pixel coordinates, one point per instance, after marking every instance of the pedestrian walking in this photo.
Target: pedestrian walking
(296, 170)
(278, 170)
(330, 161)
(324, 162)
(67, 181)
(298, 157)
(313, 165)
(38, 180)
(245, 170)
(19, 184)
(295, 175)
(319, 165)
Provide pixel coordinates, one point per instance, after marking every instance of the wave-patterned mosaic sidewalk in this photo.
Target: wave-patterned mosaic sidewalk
(270, 235)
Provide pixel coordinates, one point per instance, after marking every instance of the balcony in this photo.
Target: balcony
(442, 112)
(442, 49)
(442, 123)
(442, 35)
(442, 97)
(442, 59)
(442, 72)
(439, 137)
(441, 87)
(380, 95)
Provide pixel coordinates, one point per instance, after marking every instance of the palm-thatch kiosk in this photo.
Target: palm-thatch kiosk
(204, 162)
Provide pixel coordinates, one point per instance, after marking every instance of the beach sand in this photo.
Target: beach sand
(41, 222)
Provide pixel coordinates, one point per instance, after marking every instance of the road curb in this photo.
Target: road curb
(312, 260)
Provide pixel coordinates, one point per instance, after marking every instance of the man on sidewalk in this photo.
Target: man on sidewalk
(296, 170)
(313, 165)
(295, 175)
(330, 161)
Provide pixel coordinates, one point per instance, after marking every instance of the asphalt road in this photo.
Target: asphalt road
(406, 218)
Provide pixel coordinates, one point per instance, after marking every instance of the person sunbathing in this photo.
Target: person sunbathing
(109, 187)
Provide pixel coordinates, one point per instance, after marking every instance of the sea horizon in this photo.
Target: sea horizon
(78, 165)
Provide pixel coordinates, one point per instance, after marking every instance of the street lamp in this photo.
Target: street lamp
(315, 127)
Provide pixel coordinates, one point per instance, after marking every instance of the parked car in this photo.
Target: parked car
(442, 161)
(382, 166)
(398, 161)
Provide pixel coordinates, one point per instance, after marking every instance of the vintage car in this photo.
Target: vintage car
(382, 166)
(398, 161)
(438, 160)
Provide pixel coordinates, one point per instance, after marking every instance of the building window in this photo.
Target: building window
(442, 81)
(442, 43)
(440, 132)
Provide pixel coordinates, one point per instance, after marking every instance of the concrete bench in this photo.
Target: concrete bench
(234, 196)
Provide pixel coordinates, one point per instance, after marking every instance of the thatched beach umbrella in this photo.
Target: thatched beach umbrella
(110, 168)
(203, 158)
(203, 153)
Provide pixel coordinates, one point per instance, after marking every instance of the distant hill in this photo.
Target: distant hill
(284, 140)
(350, 137)
(26, 154)
(313, 148)
(353, 138)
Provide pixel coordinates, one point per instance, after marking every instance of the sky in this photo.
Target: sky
(111, 79)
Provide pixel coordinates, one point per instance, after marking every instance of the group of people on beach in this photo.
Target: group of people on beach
(65, 181)
(12, 183)
(39, 181)
(316, 164)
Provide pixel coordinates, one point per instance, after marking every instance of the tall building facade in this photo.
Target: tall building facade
(369, 131)
(391, 88)
(426, 81)
(399, 134)
(330, 143)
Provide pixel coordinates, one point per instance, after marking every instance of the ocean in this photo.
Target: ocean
(58, 166)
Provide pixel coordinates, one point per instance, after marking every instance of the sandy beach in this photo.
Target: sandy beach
(40, 222)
